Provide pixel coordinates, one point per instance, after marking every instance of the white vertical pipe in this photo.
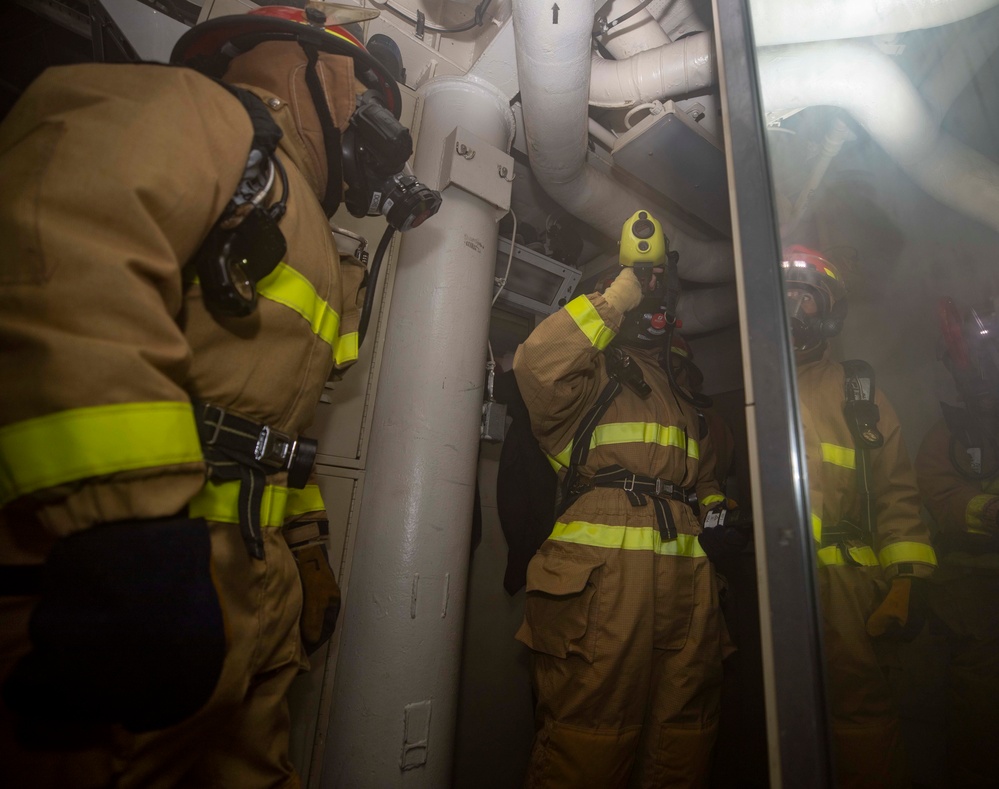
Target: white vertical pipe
(402, 621)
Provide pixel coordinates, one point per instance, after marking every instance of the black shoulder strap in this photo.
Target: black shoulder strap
(862, 414)
(621, 372)
(266, 133)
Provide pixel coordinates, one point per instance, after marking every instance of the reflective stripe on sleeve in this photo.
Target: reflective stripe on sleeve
(88, 442)
(816, 528)
(862, 555)
(973, 513)
(712, 500)
(839, 456)
(899, 552)
(286, 286)
(589, 322)
(628, 538)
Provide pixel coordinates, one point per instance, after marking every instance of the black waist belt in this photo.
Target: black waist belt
(238, 448)
(639, 489)
(842, 533)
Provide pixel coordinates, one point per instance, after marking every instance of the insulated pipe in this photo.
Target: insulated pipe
(395, 696)
(685, 67)
(968, 52)
(783, 22)
(876, 92)
(707, 309)
(634, 35)
(553, 66)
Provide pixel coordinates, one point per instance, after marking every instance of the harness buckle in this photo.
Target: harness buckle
(629, 484)
(219, 419)
(274, 448)
(660, 486)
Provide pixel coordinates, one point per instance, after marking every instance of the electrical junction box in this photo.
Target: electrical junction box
(672, 154)
(536, 284)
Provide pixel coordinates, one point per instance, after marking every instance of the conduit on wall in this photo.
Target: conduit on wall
(395, 696)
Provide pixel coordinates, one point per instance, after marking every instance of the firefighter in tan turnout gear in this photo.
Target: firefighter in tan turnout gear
(873, 552)
(621, 612)
(957, 468)
(171, 304)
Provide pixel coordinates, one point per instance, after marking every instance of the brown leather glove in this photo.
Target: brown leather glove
(320, 591)
(902, 613)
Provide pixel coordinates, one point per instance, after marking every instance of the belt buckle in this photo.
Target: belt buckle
(274, 448)
(659, 486)
(629, 484)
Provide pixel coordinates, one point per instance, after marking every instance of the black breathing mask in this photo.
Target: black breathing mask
(375, 149)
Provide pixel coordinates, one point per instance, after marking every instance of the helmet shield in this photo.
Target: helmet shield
(814, 296)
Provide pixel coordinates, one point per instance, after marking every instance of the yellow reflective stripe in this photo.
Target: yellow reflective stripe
(973, 513)
(219, 502)
(816, 527)
(88, 442)
(633, 433)
(862, 555)
(308, 499)
(643, 433)
(627, 538)
(907, 552)
(347, 348)
(286, 286)
(589, 321)
(714, 498)
(839, 456)
(556, 462)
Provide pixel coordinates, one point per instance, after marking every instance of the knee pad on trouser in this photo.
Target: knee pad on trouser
(681, 758)
(572, 757)
(871, 756)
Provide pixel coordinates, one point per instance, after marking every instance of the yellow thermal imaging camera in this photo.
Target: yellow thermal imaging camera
(643, 242)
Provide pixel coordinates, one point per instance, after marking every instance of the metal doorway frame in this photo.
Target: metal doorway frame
(794, 681)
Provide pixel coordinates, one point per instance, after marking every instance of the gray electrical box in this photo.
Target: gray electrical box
(536, 284)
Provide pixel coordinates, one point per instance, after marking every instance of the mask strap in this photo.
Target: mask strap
(331, 134)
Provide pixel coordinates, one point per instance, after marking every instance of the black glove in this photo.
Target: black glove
(725, 534)
(128, 630)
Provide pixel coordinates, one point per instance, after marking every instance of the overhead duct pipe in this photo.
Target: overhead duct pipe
(781, 22)
(682, 68)
(553, 66)
(636, 34)
(395, 695)
(876, 92)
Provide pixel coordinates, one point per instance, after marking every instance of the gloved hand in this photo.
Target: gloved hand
(128, 630)
(725, 534)
(320, 591)
(902, 613)
(625, 292)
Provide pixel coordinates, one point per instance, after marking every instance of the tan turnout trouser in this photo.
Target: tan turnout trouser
(627, 666)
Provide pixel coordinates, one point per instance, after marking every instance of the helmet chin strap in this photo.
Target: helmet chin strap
(331, 134)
